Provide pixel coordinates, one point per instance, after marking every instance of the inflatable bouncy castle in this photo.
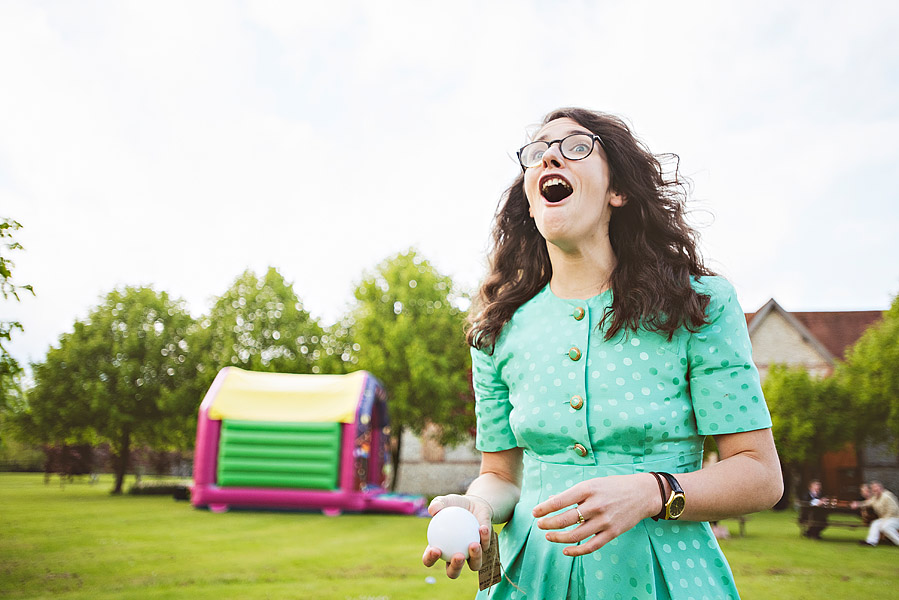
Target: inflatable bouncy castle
(285, 441)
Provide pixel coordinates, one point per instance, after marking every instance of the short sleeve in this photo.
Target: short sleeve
(492, 406)
(724, 382)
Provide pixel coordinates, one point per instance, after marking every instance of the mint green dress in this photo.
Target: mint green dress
(583, 407)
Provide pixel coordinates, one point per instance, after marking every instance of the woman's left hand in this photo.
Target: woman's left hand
(605, 506)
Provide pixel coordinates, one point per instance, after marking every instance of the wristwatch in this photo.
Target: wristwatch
(674, 506)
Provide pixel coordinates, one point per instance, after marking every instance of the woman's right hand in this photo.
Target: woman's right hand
(482, 512)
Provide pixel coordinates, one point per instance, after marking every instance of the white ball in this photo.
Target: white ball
(452, 530)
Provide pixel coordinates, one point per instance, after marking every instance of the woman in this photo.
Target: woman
(603, 351)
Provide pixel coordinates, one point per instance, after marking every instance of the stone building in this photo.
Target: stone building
(816, 340)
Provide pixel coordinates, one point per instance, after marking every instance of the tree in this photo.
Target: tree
(9, 367)
(409, 333)
(339, 348)
(809, 417)
(119, 377)
(11, 398)
(258, 324)
(870, 376)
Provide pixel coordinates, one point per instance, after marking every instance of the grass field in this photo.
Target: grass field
(78, 542)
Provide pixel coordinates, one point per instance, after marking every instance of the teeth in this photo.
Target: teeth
(555, 181)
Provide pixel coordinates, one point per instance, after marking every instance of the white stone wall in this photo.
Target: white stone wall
(451, 475)
(776, 341)
(882, 464)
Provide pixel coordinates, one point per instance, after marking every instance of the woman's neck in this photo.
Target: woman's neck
(581, 273)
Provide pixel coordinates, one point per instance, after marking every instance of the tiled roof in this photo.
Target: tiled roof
(836, 331)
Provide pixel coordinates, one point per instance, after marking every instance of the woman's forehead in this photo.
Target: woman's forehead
(558, 128)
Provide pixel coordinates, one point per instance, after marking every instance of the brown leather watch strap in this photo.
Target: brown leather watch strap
(662, 493)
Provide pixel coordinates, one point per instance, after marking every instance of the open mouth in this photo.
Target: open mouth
(555, 188)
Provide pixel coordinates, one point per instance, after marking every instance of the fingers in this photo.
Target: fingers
(572, 495)
(559, 521)
(591, 545)
(436, 505)
(476, 506)
(441, 502)
(475, 557)
(431, 555)
(572, 536)
(454, 566)
(484, 532)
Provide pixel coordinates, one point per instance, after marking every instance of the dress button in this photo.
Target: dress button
(580, 450)
(574, 353)
(576, 402)
(578, 313)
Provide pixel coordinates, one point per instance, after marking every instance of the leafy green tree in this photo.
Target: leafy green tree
(119, 377)
(258, 324)
(870, 376)
(809, 417)
(338, 353)
(409, 333)
(11, 397)
(9, 367)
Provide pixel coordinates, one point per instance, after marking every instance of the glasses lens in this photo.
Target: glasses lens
(532, 154)
(577, 146)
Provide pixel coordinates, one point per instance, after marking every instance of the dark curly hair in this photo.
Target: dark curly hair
(654, 246)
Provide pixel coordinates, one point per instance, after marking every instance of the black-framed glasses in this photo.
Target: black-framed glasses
(576, 146)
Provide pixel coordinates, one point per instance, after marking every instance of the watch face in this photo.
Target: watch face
(676, 507)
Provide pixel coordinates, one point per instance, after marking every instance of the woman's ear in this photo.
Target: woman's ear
(617, 200)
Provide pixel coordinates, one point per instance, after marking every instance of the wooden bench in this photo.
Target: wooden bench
(822, 515)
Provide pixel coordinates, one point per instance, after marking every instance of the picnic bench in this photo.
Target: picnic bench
(828, 514)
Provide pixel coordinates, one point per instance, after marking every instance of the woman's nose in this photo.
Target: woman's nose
(553, 155)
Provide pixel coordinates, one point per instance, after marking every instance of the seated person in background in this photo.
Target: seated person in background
(866, 512)
(815, 519)
(887, 508)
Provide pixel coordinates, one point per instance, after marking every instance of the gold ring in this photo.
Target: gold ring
(580, 517)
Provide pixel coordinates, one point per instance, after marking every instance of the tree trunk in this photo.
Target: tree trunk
(395, 458)
(123, 457)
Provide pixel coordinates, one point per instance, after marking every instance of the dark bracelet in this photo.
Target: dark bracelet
(662, 493)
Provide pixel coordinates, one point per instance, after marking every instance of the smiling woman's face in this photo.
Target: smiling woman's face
(570, 220)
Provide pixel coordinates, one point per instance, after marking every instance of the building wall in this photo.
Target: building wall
(429, 469)
(776, 341)
(881, 462)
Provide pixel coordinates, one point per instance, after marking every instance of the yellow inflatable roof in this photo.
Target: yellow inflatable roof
(253, 396)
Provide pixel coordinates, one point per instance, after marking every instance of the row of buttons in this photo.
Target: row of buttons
(575, 353)
(577, 402)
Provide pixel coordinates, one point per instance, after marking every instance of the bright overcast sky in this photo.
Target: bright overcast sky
(178, 143)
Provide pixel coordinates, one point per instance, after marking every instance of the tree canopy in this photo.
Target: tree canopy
(9, 367)
(258, 324)
(408, 331)
(119, 377)
(870, 377)
(809, 415)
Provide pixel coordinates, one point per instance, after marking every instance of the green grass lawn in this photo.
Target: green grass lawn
(78, 541)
